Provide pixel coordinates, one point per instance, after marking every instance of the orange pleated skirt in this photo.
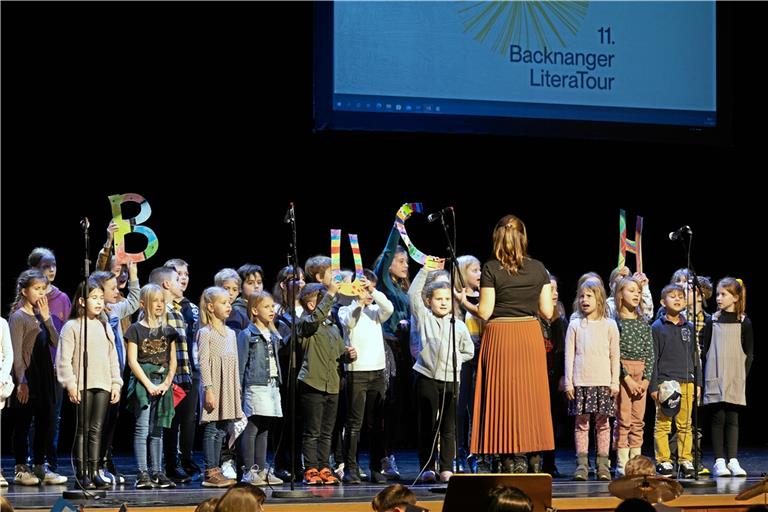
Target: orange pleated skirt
(512, 413)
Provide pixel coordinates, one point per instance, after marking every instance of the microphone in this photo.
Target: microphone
(432, 217)
(85, 224)
(674, 235)
(289, 215)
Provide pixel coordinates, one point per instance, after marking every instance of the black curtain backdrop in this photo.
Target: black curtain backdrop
(206, 110)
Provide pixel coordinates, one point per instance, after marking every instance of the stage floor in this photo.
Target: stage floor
(755, 461)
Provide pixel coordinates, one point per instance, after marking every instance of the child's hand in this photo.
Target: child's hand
(641, 278)
(22, 393)
(333, 287)
(153, 390)
(111, 230)
(42, 307)
(434, 263)
(210, 401)
(614, 392)
(561, 384)
(569, 394)
(133, 271)
(114, 397)
(461, 296)
(633, 387)
(352, 353)
(362, 290)
(74, 395)
(655, 396)
(624, 272)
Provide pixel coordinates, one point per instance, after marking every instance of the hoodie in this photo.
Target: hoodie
(431, 347)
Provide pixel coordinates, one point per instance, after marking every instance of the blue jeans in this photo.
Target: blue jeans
(213, 437)
(147, 427)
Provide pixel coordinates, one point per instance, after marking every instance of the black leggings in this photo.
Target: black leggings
(725, 427)
(43, 411)
(253, 442)
(96, 412)
(431, 395)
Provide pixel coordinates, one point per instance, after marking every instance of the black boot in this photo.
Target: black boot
(96, 481)
(81, 476)
(507, 464)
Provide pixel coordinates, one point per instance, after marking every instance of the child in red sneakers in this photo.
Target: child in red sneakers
(319, 379)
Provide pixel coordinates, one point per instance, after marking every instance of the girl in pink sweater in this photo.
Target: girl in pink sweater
(592, 375)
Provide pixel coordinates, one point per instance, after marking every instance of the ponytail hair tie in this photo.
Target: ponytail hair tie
(741, 283)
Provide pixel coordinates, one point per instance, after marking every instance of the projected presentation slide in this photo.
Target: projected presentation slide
(648, 62)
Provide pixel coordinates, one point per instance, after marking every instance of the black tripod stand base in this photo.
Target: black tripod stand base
(297, 493)
(77, 494)
(700, 482)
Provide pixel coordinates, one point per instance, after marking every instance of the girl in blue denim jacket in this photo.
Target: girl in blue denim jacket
(260, 379)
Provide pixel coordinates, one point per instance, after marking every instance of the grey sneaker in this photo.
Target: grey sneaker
(48, 477)
(25, 476)
(252, 476)
(269, 477)
(143, 481)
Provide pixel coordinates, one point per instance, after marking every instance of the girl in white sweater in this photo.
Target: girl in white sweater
(103, 376)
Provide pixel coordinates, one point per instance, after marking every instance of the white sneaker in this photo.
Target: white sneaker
(269, 477)
(25, 476)
(427, 477)
(720, 468)
(228, 470)
(445, 476)
(339, 471)
(107, 476)
(252, 476)
(735, 468)
(687, 469)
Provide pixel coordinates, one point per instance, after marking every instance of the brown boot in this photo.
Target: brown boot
(582, 467)
(603, 468)
(215, 478)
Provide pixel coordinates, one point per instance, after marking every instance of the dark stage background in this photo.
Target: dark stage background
(206, 110)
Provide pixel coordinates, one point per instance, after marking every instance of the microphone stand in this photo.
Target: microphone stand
(696, 481)
(451, 246)
(293, 258)
(81, 493)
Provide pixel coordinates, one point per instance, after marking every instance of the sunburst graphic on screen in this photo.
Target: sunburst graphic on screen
(531, 23)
